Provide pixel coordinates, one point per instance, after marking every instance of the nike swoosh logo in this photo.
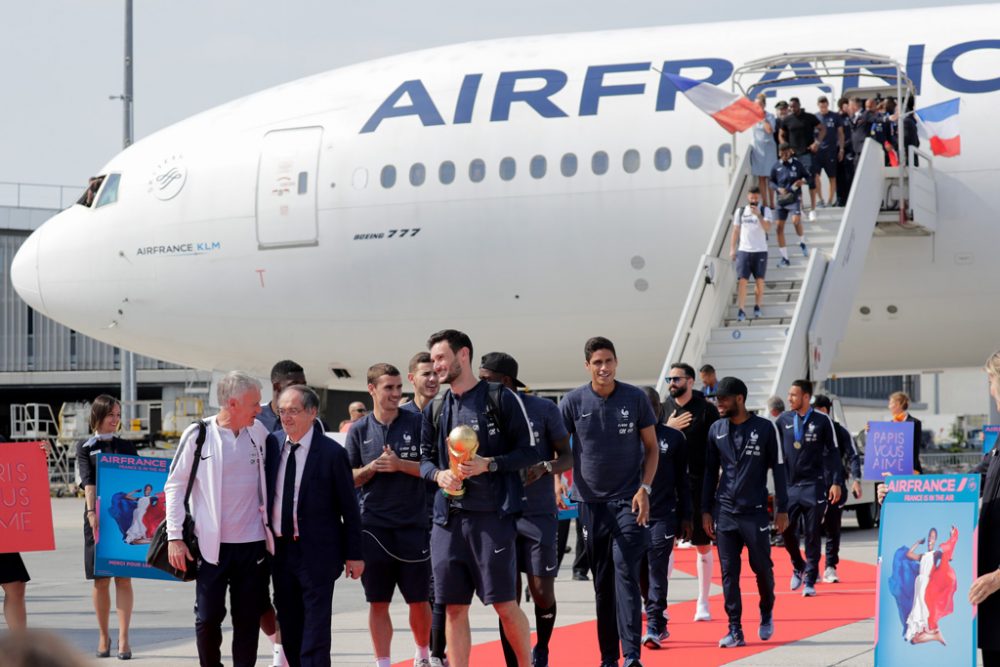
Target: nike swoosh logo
(788, 425)
(369, 441)
(206, 457)
(549, 569)
(719, 437)
(764, 529)
(423, 551)
(586, 415)
(261, 560)
(496, 551)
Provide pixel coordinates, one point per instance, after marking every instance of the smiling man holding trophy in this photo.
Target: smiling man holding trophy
(476, 439)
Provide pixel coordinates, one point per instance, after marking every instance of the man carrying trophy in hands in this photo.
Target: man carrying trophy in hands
(476, 438)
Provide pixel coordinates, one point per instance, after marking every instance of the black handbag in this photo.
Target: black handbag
(788, 198)
(158, 553)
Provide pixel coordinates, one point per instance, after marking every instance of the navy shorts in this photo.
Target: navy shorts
(474, 553)
(781, 213)
(396, 557)
(825, 161)
(748, 263)
(537, 554)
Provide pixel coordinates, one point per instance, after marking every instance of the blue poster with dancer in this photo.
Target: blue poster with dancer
(130, 505)
(926, 564)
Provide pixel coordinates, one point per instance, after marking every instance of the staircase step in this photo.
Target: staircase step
(744, 347)
(778, 310)
(757, 332)
(765, 374)
(771, 297)
(733, 323)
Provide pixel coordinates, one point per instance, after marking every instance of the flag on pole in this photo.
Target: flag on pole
(938, 124)
(735, 113)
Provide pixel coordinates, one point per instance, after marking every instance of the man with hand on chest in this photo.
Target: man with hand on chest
(815, 476)
(384, 450)
(314, 514)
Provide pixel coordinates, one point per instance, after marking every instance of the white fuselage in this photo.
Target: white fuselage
(220, 254)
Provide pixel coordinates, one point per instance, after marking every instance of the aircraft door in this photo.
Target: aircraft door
(286, 188)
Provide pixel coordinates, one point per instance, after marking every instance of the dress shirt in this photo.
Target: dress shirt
(300, 463)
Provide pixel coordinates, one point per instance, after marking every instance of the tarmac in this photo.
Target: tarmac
(58, 599)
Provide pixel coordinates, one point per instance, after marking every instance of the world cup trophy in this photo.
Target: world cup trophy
(463, 443)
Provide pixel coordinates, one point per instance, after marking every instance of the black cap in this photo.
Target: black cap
(503, 363)
(730, 386)
(781, 105)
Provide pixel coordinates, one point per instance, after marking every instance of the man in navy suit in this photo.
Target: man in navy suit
(314, 514)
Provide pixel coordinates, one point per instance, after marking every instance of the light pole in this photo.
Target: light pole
(126, 357)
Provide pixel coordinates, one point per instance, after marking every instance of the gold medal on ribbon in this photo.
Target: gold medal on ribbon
(797, 445)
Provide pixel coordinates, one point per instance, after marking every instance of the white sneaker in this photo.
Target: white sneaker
(421, 662)
(702, 612)
(684, 544)
(830, 576)
(812, 215)
(438, 662)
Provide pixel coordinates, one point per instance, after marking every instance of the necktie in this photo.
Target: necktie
(288, 494)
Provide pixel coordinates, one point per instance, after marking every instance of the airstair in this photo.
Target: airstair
(806, 306)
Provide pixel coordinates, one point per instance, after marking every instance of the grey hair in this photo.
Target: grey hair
(310, 399)
(992, 366)
(775, 403)
(233, 385)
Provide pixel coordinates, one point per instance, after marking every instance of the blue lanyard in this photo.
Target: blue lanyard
(799, 425)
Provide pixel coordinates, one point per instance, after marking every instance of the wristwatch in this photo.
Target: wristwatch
(548, 466)
(492, 465)
(647, 488)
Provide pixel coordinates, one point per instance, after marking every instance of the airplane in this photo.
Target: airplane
(532, 192)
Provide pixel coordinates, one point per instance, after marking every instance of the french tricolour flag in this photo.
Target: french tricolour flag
(733, 112)
(939, 125)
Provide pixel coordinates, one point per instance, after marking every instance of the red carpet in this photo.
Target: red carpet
(795, 618)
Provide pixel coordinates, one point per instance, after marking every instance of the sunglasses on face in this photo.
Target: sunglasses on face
(677, 380)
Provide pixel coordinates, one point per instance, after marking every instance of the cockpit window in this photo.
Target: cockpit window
(88, 196)
(109, 193)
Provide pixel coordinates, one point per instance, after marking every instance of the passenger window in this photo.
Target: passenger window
(568, 165)
(446, 172)
(109, 193)
(477, 170)
(693, 157)
(417, 174)
(630, 161)
(508, 168)
(725, 154)
(303, 182)
(537, 166)
(599, 163)
(661, 158)
(388, 176)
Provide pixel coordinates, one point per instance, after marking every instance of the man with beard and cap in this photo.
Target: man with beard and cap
(474, 534)
(743, 447)
(537, 527)
(689, 411)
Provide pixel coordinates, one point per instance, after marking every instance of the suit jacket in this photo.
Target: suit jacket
(328, 516)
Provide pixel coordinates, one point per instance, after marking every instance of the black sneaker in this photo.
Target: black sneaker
(733, 639)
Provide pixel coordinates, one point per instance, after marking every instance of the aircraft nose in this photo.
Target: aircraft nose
(24, 271)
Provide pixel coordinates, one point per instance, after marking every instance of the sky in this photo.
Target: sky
(64, 57)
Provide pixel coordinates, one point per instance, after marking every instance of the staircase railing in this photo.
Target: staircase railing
(827, 322)
(712, 285)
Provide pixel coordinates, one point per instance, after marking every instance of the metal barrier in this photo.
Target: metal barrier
(949, 462)
(39, 195)
(35, 422)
